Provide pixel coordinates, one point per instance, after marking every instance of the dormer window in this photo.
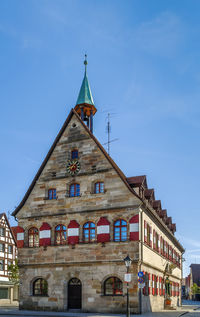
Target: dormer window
(74, 154)
(99, 188)
(52, 193)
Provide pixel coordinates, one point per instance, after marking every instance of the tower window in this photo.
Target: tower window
(120, 230)
(33, 238)
(1, 265)
(74, 190)
(60, 234)
(52, 193)
(89, 232)
(74, 154)
(113, 286)
(99, 188)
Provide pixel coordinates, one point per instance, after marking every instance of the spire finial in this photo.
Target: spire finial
(85, 62)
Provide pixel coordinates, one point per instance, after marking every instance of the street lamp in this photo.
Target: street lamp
(127, 262)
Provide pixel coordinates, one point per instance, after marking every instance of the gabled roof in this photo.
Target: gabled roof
(137, 181)
(1, 216)
(148, 193)
(117, 169)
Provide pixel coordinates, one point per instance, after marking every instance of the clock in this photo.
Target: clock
(73, 167)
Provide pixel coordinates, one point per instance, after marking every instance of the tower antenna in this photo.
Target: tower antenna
(108, 131)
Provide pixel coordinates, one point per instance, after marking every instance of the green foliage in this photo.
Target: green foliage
(13, 272)
(195, 289)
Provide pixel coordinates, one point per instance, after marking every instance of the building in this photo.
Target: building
(80, 217)
(8, 254)
(190, 280)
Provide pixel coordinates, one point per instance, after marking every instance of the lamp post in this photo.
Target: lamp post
(127, 262)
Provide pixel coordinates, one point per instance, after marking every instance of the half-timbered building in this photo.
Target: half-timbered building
(80, 217)
(8, 254)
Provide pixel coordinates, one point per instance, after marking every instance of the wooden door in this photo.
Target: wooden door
(74, 294)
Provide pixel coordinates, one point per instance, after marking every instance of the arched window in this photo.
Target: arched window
(40, 287)
(74, 190)
(99, 188)
(60, 234)
(120, 230)
(113, 286)
(74, 154)
(89, 232)
(33, 237)
(52, 193)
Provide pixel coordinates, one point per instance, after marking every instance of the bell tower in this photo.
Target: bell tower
(85, 104)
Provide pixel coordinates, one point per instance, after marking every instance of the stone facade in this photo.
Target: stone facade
(91, 263)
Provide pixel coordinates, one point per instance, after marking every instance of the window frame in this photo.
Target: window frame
(114, 286)
(34, 234)
(89, 233)
(120, 230)
(10, 246)
(74, 157)
(75, 191)
(2, 264)
(41, 287)
(98, 189)
(52, 194)
(2, 232)
(60, 232)
(3, 247)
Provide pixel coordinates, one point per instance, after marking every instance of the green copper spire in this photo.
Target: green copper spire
(85, 95)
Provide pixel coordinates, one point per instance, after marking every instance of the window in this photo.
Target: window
(52, 193)
(40, 287)
(74, 190)
(148, 234)
(120, 230)
(2, 232)
(33, 238)
(1, 265)
(60, 234)
(157, 244)
(99, 188)
(74, 154)
(9, 263)
(2, 247)
(10, 249)
(89, 232)
(113, 286)
(4, 293)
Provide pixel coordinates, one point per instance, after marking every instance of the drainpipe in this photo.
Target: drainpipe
(140, 255)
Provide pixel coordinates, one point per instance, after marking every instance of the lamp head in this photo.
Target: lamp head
(127, 261)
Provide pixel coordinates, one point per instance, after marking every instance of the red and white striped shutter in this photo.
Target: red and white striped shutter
(167, 250)
(103, 230)
(153, 285)
(150, 230)
(145, 231)
(144, 288)
(73, 232)
(170, 252)
(134, 228)
(160, 286)
(158, 243)
(164, 242)
(154, 239)
(163, 281)
(45, 234)
(149, 286)
(173, 289)
(178, 288)
(19, 235)
(157, 285)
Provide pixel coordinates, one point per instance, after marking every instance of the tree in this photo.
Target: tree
(195, 289)
(13, 272)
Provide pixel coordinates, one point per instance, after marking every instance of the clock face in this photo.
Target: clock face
(73, 167)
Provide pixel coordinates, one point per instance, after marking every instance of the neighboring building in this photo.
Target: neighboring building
(190, 280)
(8, 254)
(80, 218)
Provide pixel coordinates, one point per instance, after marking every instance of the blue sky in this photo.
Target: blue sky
(143, 66)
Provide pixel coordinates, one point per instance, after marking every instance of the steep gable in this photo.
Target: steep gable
(95, 164)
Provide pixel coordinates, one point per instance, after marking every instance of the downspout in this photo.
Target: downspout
(140, 254)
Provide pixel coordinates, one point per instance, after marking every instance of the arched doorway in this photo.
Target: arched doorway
(74, 294)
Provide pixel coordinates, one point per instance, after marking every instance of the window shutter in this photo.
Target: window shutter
(150, 230)
(134, 228)
(163, 281)
(160, 285)
(164, 247)
(158, 243)
(157, 285)
(19, 235)
(144, 288)
(145, 231)
(73, 232)
(178, 288)
(149, 286)
(167, 250)
(45, 234)
(153, 284)
(103, 230)
(154, 239)
(161, 245)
